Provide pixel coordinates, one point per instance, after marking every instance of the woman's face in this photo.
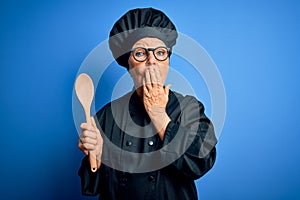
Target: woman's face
(137, 69)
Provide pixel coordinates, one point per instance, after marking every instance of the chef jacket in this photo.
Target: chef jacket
(116, 179)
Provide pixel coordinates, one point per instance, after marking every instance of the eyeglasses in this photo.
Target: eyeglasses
(141, 54)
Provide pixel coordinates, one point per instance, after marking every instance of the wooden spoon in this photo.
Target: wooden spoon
(84, 89)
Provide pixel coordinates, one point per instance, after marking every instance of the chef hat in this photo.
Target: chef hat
(135, 25)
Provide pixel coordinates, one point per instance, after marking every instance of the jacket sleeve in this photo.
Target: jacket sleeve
(89, 180)
(193, 140)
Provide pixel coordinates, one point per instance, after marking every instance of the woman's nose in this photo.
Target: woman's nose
(151, 60)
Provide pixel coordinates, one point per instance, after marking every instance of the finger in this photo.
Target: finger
(82, 148)
(86, 126)
(146, 92)
(148, 80)
(167, 89)
(88, 140)
(158, 76)
(80, 145)
(88, 133)
(153, 76)
(89, 147)
(86, 152)
(147, 77)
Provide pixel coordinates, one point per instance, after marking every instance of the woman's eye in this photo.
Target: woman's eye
(160, 53)
(139, 54)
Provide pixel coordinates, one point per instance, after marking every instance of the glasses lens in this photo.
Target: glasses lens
(140, 54)
(161, 53)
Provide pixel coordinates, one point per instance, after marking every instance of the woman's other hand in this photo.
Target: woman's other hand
(155, 98)
(90, 139)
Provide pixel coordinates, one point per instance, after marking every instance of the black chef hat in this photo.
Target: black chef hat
(135, 25)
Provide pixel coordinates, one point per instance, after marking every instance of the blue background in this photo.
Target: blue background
(255, 45)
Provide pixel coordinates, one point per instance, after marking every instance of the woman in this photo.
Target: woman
(165, 140)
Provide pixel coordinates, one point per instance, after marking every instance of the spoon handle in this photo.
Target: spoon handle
(92, 155)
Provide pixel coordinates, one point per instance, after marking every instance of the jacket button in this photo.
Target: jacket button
(128, 143)
(151, 178)
(150, 143)
(123, 181)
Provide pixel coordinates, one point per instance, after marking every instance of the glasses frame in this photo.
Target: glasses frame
(148, 52)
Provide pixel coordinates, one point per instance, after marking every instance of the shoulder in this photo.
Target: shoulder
(184, 100)
(117, 103)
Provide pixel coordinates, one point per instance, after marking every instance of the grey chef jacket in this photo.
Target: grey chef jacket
(171, 182)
